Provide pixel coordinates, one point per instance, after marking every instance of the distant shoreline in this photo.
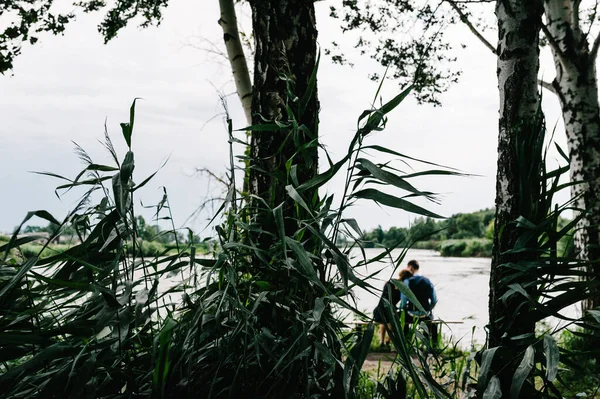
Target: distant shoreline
(455, 248)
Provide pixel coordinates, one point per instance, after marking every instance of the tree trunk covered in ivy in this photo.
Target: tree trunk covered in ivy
(519, 24)
(577, 88)
(285, 35)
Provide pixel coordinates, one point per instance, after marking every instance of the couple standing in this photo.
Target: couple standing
(421, 287)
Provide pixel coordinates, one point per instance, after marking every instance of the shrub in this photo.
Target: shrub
(453, 248)
(473, 247)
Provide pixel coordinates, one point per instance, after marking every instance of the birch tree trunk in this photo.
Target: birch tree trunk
(235, 54)
(519, 25)
(576, 85)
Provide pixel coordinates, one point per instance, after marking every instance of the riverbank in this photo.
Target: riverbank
(147, 249)
(459, 248)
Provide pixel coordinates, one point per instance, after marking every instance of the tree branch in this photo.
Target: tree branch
(553, 44)
(464, 19)
(575, 15)
(235, 53)
(547, 85)
(592, 18)
(594, 52)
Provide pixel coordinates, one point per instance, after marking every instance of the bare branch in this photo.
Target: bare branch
(547, 85)
(464, 19)
(592, 18)
(575, 16)
(213, 175)
(553, 44)
(594, 52)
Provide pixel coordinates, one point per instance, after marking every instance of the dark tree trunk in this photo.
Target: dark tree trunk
(285, 35)
(519, 24)
(285, 56)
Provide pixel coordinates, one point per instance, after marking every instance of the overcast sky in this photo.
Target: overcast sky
(64, 89)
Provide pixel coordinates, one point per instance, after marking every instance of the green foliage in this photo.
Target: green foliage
(580, 373)
(533, 280)
(268, 321)
(458, 235)
(30, 19)
(82, 322)
(466, 248)
(421, 58)
(489, 231)
(96, 321)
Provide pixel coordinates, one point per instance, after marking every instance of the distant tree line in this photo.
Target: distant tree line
(479, 224)
(146, 231)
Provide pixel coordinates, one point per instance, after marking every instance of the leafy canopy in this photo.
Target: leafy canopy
(28, 19)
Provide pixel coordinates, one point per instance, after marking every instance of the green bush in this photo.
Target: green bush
(431, 244)
(31, 250)
(474, 247)
(453, 248)
(478, 248)
(581, 373)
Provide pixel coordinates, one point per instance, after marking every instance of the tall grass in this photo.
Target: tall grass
(101, 320)
(254, 319)
(85, 322)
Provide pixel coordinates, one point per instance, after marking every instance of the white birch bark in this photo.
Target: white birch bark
(235, 54)
(577, 88)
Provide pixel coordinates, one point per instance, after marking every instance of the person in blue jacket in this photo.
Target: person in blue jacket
(424, 291)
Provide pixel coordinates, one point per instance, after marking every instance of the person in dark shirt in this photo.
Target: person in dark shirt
(392, 294)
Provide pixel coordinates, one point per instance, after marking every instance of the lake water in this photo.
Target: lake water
(462, 288)
(461, 284)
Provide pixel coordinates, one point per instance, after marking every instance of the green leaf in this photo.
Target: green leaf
(297, 197)
(394, 102)
(127, 167)
(21, 241)
(303, 261)
(52, 352)
(278, 216)
(17, 277)
(493, 390)
(522, 372)
(406, 291)
(354, 224)
(552, 357)
(355, 360)
(519, 288)
(392, 152)
(394, 202)
(324, 177)
(127, 128)
(486, 365)
(310, 88)
(595, 314)
(388, 177)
